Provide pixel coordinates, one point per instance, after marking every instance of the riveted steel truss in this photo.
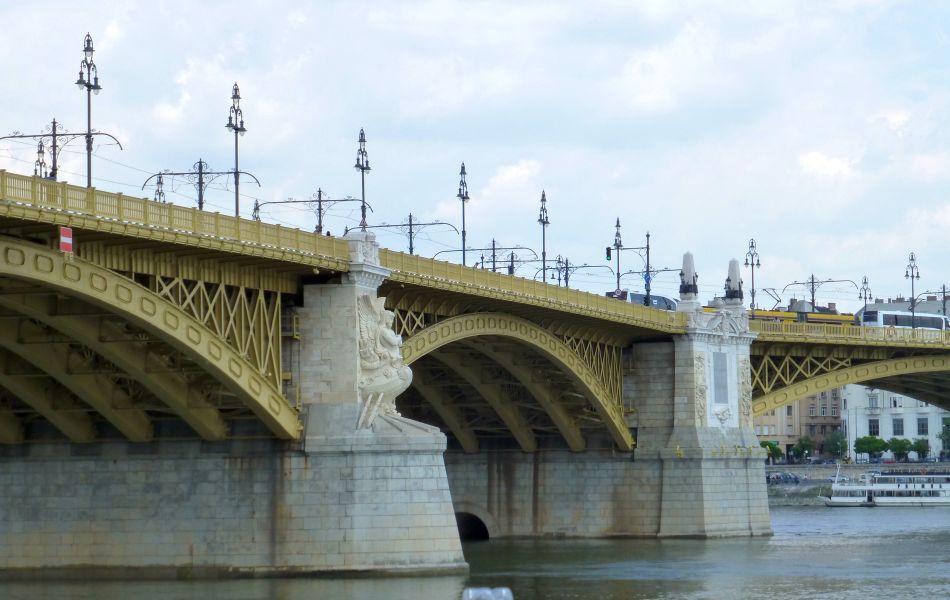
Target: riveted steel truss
(247, 319)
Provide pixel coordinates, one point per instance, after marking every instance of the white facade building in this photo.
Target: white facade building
(870, 411)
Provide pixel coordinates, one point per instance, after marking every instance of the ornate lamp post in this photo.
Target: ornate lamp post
(544, 222)
(864, 294)
(88, 80)
(362, 165)
(236, 125)
(463, 197)
(752, 261)
(912, 273)
(39, 167)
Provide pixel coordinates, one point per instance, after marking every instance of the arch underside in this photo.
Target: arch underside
(924, 377)
(497, 381)
(87, 355)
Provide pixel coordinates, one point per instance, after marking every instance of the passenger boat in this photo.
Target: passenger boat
(891, 489)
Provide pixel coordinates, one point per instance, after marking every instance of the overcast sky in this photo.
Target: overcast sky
(820, 129)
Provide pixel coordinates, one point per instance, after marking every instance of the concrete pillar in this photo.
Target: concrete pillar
(398, 506)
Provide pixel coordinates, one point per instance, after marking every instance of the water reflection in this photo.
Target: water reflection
(815, 552)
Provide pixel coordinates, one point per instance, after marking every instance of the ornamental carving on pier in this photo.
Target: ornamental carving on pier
(745, 392)
(382, 374)
(699, 372)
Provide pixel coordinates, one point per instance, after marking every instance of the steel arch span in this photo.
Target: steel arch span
(863, 373)
(40, 265)
(474, 325)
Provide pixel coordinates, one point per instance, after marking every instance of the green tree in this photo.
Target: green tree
(945, 438)
(836, 444)
(772, 450)
(804, 445)
(922, 447)
(900, 448)
(871, 445)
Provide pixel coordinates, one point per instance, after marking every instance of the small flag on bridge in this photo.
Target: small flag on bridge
(66, 240)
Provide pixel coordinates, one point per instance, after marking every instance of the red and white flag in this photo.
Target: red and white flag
(66, 240)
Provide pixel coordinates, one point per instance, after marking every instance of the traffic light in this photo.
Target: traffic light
(608, 252)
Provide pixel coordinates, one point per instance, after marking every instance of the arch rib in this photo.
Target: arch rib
(161, 318)
(38, 394)
(448, 413)
(133, 358)
(467, 326)
(506, 410)
(98, 391)
(857, 374)
(544, 393)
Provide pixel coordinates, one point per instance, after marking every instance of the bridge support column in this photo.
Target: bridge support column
(395, 507)
(713, 473)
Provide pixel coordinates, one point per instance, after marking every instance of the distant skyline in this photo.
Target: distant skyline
(821, 129)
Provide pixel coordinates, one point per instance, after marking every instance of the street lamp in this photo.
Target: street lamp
(864, 294)
(39, 167)
(912, 273)
(236, 125)
(362, 165)
(543, 222)
(463, 197)
(88, 80)
(618, 246)
(752, 261)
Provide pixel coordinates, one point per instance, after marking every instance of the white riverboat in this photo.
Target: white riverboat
(903, 488)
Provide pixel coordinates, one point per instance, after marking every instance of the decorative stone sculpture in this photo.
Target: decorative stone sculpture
(745, 392)
(382, 374)
(699, 372)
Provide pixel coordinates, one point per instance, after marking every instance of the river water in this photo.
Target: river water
(816, 552)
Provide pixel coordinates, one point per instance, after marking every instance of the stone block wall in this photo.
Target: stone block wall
(191, 509)
(597, 493)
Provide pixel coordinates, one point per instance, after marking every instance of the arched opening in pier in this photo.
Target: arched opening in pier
(471, 528)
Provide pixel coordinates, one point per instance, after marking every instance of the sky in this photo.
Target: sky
(819, 129)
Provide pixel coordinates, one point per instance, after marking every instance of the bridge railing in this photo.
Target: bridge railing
(156, 215)
(454, 274)
(850, 333)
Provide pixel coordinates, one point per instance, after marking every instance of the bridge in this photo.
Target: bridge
(191, 394)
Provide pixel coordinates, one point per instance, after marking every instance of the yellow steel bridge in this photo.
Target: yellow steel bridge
(169, 322)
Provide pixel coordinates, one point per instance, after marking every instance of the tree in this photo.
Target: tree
(945, 438)
(922, 447)
(871, 445)
(900, 447)
(836, 443)
(772, 450)
(805, 445)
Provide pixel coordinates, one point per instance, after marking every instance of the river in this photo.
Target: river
(816, 552)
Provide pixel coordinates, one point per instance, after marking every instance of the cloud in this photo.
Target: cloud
(659, 78)
(821, 165)
(895, 120)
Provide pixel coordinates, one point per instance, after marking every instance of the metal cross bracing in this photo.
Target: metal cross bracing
(248, 319)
